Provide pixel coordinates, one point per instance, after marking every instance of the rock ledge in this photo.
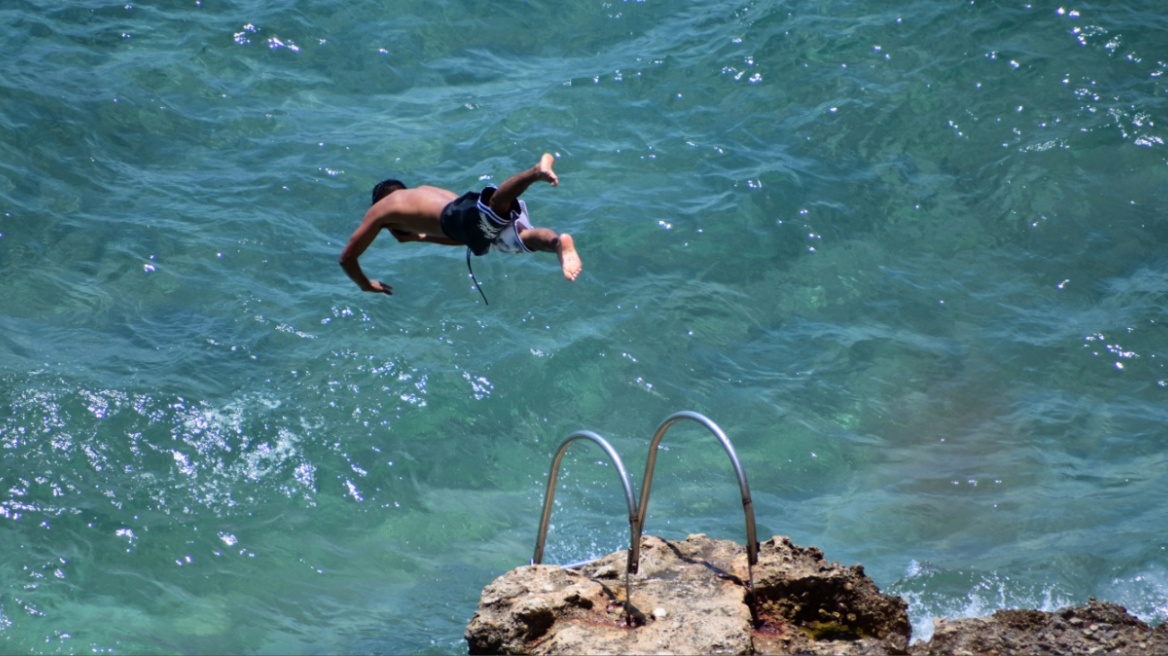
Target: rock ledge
(691, 597)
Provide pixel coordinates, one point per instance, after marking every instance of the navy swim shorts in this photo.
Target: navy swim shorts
(470, 220)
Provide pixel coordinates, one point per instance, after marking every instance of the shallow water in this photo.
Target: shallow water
(907, 255)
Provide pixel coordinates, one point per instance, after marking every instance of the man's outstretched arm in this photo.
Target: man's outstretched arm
(362, 237)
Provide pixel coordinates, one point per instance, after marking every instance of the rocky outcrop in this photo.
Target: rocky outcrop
(804, 604)
(691, 597)
(1096, 628)
(687, 598)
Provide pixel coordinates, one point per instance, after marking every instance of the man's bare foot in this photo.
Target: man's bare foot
(544, 170)
(569, 259)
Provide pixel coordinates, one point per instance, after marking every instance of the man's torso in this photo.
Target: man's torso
(416, 210)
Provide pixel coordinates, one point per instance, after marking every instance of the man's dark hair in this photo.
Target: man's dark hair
(385, 188)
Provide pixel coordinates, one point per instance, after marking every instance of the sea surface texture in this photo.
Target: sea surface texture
(910, 256)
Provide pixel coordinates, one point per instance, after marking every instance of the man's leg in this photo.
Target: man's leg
(505, 196)
(547, 241)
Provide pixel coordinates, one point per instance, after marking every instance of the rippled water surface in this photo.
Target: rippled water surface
(909, 256)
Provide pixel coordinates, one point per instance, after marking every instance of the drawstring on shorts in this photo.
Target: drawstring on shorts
(472, 277)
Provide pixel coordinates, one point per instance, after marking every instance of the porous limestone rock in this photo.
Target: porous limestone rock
(804, 604)
(690, 597)
(1095, 629)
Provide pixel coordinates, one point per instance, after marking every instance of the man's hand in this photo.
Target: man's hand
(379, 287)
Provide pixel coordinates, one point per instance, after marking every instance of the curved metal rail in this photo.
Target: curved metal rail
(634, 533)
(747, 505)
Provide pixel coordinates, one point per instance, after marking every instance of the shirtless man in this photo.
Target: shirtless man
(492, 219)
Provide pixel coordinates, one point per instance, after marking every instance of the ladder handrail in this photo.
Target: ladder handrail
(637, 510)
(743, 487)
(551, 493)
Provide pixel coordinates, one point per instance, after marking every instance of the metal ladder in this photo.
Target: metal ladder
(637, 510)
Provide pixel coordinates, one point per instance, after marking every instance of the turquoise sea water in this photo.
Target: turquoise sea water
(909, 256)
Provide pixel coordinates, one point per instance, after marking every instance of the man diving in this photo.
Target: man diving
(494, 218)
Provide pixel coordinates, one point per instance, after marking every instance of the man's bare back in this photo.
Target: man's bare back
(416, 215)
(417, 210)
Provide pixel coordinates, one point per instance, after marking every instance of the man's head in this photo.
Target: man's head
(385, 188)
